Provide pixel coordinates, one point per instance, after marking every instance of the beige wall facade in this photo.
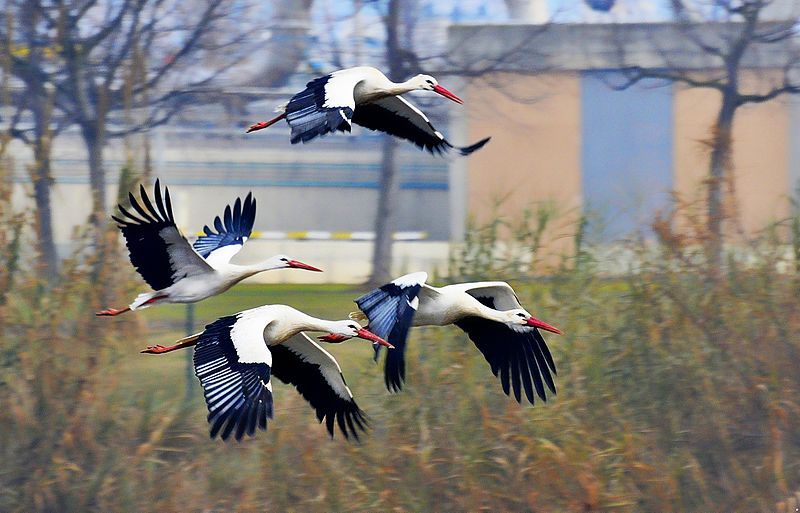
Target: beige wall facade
(760, 163)
(535, 152)
(534, 155)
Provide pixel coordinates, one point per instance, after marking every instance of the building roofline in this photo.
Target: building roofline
(592, 46)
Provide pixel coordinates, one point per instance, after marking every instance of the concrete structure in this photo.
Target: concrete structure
(560, 136)
(207, 161)
(614, 154)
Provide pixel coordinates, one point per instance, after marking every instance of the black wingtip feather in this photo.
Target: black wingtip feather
(160, 202)
(515, 356)
(536, 372)
(142, 226)
(168, 201)
(477, 146)
(515, 378)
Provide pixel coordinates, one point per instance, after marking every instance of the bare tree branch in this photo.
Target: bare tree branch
(635, 74)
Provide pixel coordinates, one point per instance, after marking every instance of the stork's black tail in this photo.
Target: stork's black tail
(469, 149)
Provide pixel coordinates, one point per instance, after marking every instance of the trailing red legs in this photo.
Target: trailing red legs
(264, 124)
(110, 312)
(182, 343)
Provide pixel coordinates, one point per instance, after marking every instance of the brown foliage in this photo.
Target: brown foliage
(677, 392)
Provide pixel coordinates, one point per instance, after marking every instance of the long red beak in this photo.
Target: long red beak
(533, 321)
(296, 264)
(364, 333)
(333, 338)
(368, 335)
(447, 94)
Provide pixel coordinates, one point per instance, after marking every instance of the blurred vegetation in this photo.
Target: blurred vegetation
(677, 392)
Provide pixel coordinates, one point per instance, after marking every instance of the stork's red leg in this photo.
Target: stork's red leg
(265, 124)
(159, 349)
(110, 312)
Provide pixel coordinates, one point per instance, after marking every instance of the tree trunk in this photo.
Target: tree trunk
(42, 181)
(44, 216)
(722, 140)
(41, 101)
(94, 141)
(385, 220)
(390, 179)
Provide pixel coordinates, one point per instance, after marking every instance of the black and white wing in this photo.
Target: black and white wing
(158, 251)
(318, 378)
(325, 105)
(390, 310)
(232, 231)
(233, 364)
(517, 354)
(396, 116)
(498, 293)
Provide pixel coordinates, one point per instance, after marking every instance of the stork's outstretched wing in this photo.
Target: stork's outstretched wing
(325, 105)
(390, 310)
(498, 293)
(232, 231)
(233, 365)
(518, 354)
(158, 251)
(396, 116)
(316, 375)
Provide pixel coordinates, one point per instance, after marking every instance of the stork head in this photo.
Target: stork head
(519, 317)
(285, 262)
(428, 83)
(343, 330)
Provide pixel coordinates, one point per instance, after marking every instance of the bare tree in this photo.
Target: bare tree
(21, 42)
(726, 49)
(386, 213)
(403, 60)
(169, 37)
(94, 46)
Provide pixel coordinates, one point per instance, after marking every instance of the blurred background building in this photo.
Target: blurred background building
(561, 132)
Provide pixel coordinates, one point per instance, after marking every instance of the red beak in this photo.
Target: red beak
(447, 94)
(296, 264)
(536, 323)
(362, 333)
(333, 338)
(368, 335)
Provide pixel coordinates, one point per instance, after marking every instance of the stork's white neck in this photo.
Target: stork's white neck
(245, 271)
(293, 322)
(401, 87)
(473, 307)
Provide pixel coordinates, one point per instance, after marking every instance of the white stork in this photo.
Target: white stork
(179, 272)
(364, 96)
(489, 312)
(237, 355)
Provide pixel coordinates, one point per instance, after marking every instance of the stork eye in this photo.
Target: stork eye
(521, 315)
(284, 259)
(429, 81)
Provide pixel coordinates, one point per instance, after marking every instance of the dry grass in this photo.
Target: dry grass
(677, 392)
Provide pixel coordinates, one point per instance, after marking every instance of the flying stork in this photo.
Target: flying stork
(489, 312)
(236, 357)
(177, 271)
(364, 96)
